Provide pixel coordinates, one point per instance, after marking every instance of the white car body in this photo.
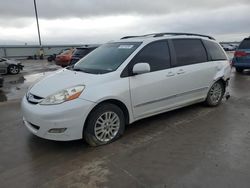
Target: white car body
(143, 95)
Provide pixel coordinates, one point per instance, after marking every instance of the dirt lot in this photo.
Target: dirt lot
(191, 147)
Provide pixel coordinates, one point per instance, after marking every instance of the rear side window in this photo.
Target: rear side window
(189, 51)
(245, 44)
(214, 50)
(156, 54)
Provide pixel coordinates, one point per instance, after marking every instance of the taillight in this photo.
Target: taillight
(240, 54)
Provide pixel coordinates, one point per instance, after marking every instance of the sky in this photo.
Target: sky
(99, 21)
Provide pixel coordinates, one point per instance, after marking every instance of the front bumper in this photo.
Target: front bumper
(40, 119)
(20, 66)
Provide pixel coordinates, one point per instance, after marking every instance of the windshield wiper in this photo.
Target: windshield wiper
(91, 71)
(82, 70)
(77, 69)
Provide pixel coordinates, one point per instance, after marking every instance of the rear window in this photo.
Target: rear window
(189, 51)
(245, 44)
(82, 51)
(66, 52)
(214, 50)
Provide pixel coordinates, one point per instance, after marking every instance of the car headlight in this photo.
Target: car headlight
(63, 96)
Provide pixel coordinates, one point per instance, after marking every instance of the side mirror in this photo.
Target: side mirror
(141, 68)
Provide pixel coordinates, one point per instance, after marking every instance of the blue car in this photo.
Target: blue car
(241, 58)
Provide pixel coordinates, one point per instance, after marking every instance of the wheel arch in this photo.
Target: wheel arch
(220, 79)
(116, 102)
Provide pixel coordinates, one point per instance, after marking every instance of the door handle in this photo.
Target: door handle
(170, 74)
(181, 71)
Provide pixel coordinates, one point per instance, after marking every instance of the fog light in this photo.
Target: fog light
(59, 130)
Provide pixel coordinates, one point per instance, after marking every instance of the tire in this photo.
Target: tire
(13, 69)
(97, 131)
(215, 94)
(49, 59)
(239, 70)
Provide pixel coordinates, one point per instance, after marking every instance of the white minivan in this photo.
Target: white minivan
(124, 81)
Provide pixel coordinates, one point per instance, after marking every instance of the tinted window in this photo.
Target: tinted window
(245, 44)
(107, 57)
(155, 54)
(214, 50)
(189, 51)
(81, 52)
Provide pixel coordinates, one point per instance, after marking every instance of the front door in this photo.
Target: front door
(150, 91)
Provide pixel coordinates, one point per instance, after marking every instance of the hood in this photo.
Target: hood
(11, 62)
(61, 80)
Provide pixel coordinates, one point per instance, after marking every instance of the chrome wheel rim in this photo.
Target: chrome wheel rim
(215, 93)
(14, 69)
(107, 126)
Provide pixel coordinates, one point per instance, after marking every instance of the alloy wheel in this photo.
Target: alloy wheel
(107, 126)
(215, 93)
(14, 69)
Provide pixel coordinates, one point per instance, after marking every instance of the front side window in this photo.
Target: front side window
(155, 54)
(106, 58)
(189, 51)
(215, 51)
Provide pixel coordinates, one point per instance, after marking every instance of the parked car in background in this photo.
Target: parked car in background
(64, 58)
(1, 81)
(82, 51)
(228, 47)
(124, 81)
(10, 66)
(52, 57)
(241, 58)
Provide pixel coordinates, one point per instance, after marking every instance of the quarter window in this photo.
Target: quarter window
(215, 51)
(189, 51)
(155, 54)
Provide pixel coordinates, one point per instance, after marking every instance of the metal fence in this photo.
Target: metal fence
(25, 51)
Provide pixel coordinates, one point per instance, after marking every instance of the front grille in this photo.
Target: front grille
(34, 99)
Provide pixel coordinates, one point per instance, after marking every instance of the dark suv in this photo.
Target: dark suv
(80, 52)
(241, 58)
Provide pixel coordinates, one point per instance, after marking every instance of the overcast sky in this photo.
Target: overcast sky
(98, 21)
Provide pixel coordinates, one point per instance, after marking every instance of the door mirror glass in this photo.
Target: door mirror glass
(141, 68)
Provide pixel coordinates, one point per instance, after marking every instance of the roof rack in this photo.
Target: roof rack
(128, 37)
(163, 34)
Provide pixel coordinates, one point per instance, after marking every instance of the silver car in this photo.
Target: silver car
(10, 66)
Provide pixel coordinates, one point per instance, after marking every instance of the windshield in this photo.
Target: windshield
(106, 58)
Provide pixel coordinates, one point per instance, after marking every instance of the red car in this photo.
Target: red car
(64, 58)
